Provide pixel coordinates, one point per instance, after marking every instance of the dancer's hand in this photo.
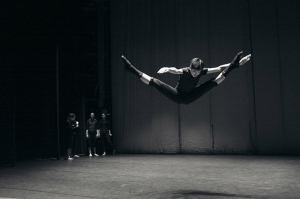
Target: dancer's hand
(245, 59)
(163, 70)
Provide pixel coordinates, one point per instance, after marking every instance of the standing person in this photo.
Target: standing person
(186, 90)
(105, 134)
(72, 130)
(92, 131)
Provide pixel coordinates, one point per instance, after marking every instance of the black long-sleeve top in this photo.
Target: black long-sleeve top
(71, 126)
(92, 125)
(104, 126)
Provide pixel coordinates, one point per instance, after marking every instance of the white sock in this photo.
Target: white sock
(145, 78)
(220, 78)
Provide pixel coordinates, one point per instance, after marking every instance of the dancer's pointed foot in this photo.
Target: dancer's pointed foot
(127, 63)
(236, 61)
(131, 68)
(234, 64)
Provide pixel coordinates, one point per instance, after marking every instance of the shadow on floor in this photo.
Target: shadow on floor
(200, 194)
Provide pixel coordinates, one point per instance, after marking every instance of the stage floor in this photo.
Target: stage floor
(154, 176)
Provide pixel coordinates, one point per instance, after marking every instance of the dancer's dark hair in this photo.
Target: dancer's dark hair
(197, 64)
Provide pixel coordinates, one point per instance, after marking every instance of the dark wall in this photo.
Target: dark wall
(40, 44)
(49, 56)
(49, 50)
(34, 41)
(7, 92)
(275, 41)
(253, 111)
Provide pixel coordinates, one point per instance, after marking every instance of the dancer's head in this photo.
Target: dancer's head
(72, 116)
(92, 115)
(196, 66)
(103, 113)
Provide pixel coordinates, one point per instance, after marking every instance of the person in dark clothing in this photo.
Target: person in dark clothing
(92, 131)
(105, 133)
(72, 128)
(186, 90)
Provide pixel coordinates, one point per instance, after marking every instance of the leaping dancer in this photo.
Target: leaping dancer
(186, 90)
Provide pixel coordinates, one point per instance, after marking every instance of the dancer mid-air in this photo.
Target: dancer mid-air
(186, 90)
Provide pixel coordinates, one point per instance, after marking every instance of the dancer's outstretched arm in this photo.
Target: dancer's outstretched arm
(171, 70)
(222, 67)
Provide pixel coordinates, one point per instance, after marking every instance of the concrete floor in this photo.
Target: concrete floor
(154, 176)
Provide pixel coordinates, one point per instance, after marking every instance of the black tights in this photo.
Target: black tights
(105, 140)
(180, 97)
(73, 143)
(92, 140)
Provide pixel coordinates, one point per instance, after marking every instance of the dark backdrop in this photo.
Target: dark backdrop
(254, 110)
(28, 81)
(49, 68)
(275, 42)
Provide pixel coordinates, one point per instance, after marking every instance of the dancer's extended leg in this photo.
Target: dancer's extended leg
(162, 87)
(234, 64)
(166, 90)
(145, 78)
(220, 78)
(207, 86)
(129, 67)
(199, 91)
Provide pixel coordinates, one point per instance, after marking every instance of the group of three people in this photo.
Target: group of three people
(94, 129)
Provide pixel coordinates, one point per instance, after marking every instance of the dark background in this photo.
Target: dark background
(54, 60)
(64, 56)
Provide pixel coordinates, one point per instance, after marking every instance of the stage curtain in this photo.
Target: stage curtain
(155, 34)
